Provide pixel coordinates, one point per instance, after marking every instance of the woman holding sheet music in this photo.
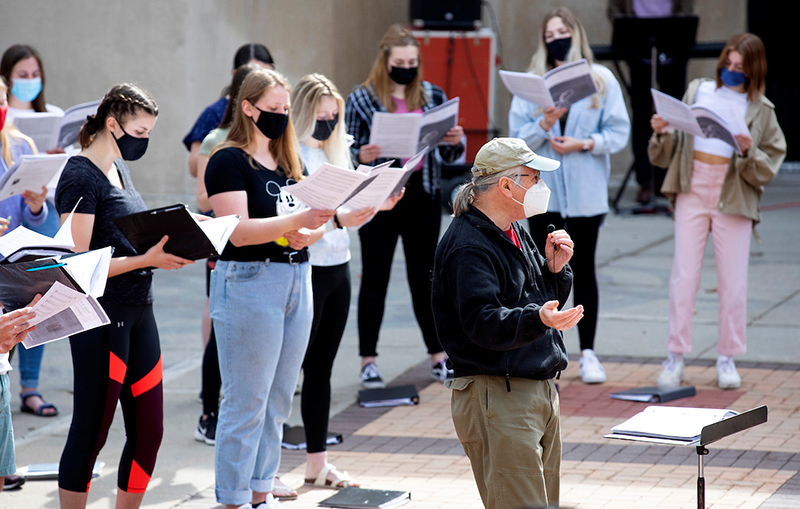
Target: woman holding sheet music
(121, 361)
(318, 111)
(582, 138)
(395, 85)
(261, 303)
(714, 188)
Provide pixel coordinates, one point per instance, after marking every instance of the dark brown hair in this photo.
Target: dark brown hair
(754, 62)
(121, 102)
(236, 83)
(379, 77)
(10, 58)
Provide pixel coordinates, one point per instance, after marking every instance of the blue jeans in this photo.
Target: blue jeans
(262, 316)
(30, 363)
(8, 462)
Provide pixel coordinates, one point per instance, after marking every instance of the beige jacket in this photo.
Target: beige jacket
(746, 177)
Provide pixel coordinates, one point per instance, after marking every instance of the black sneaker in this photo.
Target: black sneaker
(13, 482)
(371, 378)
(441, 372)
(206, 429)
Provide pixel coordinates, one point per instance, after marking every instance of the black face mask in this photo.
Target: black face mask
(324, 129)
(272, 125)
(403, 76)
(558, 48)
(130, 147)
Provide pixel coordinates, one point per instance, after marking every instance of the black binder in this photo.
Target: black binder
(390, 396)
(360, 498)
(654, 394)
(19, 285)
(186, 239)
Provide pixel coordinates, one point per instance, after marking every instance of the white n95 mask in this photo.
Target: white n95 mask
(537, 197)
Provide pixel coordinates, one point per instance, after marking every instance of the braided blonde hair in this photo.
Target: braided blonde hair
(122, 101)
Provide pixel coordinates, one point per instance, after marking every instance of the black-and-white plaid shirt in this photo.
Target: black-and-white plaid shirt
(359, 108)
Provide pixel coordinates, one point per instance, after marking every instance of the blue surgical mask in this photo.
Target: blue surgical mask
(731, 78)
(26, 90)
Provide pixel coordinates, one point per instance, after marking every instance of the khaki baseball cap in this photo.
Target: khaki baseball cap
(505, 153)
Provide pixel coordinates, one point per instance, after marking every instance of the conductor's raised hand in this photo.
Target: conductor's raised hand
(368, 153)
(313, 218)
(560, 320)
(658, 124)
(563, 254)
(157, 257)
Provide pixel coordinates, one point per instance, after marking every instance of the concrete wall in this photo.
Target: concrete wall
(182, 52)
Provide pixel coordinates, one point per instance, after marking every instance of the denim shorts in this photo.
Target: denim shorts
(8, 461)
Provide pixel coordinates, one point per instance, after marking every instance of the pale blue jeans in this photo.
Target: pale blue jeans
(262, 315)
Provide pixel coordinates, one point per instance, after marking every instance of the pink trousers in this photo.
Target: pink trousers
(697, 213)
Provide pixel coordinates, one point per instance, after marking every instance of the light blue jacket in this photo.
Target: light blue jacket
(579, 188)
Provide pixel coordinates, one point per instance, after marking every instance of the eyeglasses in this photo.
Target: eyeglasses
(536, 178)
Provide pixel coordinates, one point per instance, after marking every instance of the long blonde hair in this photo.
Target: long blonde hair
(306, 97)
(243, 135)
(541, 62)
(379, 79)
(9, 131)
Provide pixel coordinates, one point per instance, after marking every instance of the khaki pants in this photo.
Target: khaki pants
(512, 439)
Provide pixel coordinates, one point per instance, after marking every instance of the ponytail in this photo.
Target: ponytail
(465, 196)
(122, 101)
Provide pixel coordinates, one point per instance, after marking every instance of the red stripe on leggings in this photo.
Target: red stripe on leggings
(137, 483)
(116, 368)
(148, 381)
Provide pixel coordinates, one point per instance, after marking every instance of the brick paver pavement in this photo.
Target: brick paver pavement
(415, 448)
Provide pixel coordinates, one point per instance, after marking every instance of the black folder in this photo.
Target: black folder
(186, 239)
(294, 437)
(360, 498)
(654, 394)
(390, 396)
(19, 285)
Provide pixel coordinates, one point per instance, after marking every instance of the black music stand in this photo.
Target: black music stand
(708, 435)
(720, 430)
(637, 35)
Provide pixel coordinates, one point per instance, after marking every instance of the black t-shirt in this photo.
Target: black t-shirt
(82, 179)
(230, 170)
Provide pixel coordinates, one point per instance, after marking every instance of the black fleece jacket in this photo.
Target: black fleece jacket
(486, 297)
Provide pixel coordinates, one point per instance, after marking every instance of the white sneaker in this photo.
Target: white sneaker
(592, 371)
(672, 375)
(727, 376)
(371, 377)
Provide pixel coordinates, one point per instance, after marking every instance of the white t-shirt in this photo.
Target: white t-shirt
(724, 102)
(5, 366)
(334, 246)
(13, 112)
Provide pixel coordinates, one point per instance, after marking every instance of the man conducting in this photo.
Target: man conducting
(496, 303)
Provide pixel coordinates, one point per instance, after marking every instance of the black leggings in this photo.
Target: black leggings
(331, 305)
(584, 231)
(211, 381)
(417, 219)
(120, 361)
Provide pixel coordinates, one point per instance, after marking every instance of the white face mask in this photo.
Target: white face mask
(537, 197)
